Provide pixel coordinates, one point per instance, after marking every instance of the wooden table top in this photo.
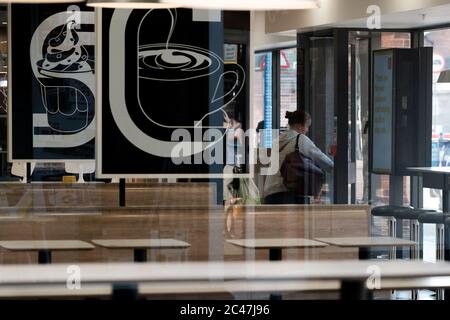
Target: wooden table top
(141, 243)
(46, 245)
(211, 287)
(171, 288)
(277, 243)
(367, 242)
(220, 271)
(443, 170)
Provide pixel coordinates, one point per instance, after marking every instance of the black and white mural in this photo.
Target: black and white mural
(165, 94)
(53, 83)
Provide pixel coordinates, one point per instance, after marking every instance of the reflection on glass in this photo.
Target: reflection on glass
(322, 93)
(438, 39)
(360, 90)
(5, 167)
(262, 116)
(440, 140)
(288, 83)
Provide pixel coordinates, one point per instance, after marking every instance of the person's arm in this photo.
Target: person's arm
(309, 149)
(239, 134)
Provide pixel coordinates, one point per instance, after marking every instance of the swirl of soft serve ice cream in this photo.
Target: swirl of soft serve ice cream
(65, 53)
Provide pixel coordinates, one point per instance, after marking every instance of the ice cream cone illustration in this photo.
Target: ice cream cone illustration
(61, 56)
(67, 106)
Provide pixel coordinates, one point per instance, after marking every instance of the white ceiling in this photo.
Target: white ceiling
(433, 16)
(410, 19)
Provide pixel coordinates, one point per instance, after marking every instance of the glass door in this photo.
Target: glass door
(263, 105)
(439, 40)
(322, 100)
(359, 114)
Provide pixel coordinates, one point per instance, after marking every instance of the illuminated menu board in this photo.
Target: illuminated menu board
(382, 112)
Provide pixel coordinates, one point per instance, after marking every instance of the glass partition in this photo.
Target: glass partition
(68, 212)
(440, 153)
(288, 84)
(263, 99)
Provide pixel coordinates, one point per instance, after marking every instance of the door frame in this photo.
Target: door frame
(341, 96)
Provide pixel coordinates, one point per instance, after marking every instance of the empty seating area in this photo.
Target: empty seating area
(176, 233)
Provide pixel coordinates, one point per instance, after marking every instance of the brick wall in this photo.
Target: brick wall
(395, 40)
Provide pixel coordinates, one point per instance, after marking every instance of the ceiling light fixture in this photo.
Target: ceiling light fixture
(39, 1)
(248, 4)
(133, 4)
(208, 4)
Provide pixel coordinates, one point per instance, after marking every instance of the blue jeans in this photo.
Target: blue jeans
(286, 198)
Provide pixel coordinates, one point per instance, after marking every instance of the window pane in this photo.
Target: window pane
(438, 39)
(440, 153)
(5, 167)
(395, 40)
(288, 83)
(359, 73)
(322, 89)
(262, 116)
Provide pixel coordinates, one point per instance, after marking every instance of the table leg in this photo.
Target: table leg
(125, 291)
(140, 255)
(364, 253)
(355, 290)
(275, 254)
(446, 236)
(446, 200)
(122, 193)
(44, 257)
(359, 287)
(415, 235)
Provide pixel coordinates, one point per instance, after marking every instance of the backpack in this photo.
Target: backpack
(300, 173)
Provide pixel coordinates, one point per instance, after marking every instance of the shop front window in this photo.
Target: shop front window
(288, 84)
(439, 40)
(440, 139)
(262, 116)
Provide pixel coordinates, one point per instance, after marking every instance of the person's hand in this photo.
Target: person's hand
(332, 150)
(316, 200)
(232, 202)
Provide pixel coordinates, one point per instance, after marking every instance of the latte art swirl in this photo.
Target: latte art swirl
(176, 62)
(175, 59)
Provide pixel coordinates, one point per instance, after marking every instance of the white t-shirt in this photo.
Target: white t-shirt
(274, 184)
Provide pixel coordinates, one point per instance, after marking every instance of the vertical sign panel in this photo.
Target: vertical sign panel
(165, 95)
(52, 90)
(382, 115)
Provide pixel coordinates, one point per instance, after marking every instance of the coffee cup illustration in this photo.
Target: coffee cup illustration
(63, 67)
(179, 86)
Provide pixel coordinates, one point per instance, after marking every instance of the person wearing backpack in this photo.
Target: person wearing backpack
(299, 159)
